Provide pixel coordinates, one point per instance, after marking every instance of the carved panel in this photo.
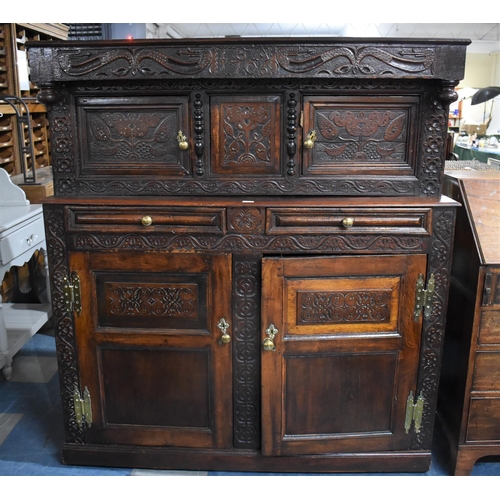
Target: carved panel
(247, 133)
(246, 352)
(375, 138)
(246, 220)
(64, 327)
(144, 300)
(434, 327)
(343, 307)
(249, 59)
(132, 135)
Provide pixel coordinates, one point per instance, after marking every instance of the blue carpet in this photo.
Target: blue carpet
(31, 426)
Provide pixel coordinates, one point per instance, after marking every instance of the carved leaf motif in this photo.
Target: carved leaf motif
(99, 129)
(335, 150)
(228, 129)
(326, 128)
(164, 131)
(394, 128)
(261, 152)
(385, 152)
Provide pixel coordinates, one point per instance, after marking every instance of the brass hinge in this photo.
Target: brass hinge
(72, 295)
(83, 407)
(424, 296)
(414, 412)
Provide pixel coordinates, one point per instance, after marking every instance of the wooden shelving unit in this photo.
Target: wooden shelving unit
(13, 38)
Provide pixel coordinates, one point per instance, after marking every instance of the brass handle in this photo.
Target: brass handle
(182, 140)
(348, 222)
(146, 220)
(309, 142)
(223, 325)
(268, 342)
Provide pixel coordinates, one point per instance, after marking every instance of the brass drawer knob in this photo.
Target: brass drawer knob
(223, 326)
(146, 220)
(348, 222)
(268, 342)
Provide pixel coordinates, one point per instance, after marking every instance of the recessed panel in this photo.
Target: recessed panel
(339, 393)
(343, 306)
(246, 135)
(152, 301)
(168, 388)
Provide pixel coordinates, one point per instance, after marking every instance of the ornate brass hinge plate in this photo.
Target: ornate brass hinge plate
(83, 407)
(424, 296)
(72, 295)
(414, 412)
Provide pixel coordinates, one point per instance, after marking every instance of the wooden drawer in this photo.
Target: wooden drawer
(333, 220)
(124, 219)
(487, 371)
(21, 240)
(484, 420)
(489, 332)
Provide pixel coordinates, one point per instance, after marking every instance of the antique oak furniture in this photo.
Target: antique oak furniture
(249, 250)
(469, 396)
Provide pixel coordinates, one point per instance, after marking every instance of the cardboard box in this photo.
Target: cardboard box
(475, 129)
(43, 188)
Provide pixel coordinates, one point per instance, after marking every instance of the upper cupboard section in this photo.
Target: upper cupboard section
(248, 117)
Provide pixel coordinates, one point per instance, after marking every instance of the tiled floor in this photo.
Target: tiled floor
(31, 429)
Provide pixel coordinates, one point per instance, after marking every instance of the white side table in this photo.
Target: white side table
(21, 234)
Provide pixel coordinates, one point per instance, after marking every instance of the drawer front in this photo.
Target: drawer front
(487, 371)
(484, 420)
(147, 219)
(489, 332)
(332, 220)
(18, 242)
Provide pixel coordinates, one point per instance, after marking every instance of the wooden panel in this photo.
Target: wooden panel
(489, 332)
(152, 301)
(344, 306)
(345, 363)
(340, 386)
(484, 420)
(330, 220)
(486, 372)
(371, 135)
(246, 134)
(156, 387)
(132, 136)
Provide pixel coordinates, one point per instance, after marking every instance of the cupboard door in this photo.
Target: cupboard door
(150, 348)
(246, 133)
(133, 136)
(356, 135)
(346, 352)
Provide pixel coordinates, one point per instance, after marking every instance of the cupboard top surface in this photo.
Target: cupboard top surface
(248, 58)
(481, 195)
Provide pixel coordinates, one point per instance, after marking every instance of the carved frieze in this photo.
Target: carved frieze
(248, 59)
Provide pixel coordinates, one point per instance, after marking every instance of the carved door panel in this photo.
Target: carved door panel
(150, 348)
(346, 352)
(355, 135)
(133, 136)
(246, 135)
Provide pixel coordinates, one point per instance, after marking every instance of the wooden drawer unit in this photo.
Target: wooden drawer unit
(231, 290)
(469, 400)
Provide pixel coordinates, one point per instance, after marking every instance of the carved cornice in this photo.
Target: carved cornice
(255, 59)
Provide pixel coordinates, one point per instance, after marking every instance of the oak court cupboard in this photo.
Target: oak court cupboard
(249, 250)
